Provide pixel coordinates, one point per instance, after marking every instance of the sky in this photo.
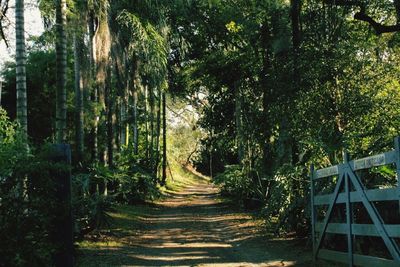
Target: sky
(33, 27)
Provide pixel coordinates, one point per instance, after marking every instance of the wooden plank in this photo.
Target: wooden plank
(375, 217)
(397, 149)
(373, 161)
(359, 164)
(313, 217)
(329, 212)
(330, 171)
(349, 216)
(393, 230)
(359, 260)
(387, 194)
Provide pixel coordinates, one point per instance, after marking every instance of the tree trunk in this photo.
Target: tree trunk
(1, 89)
(93, 94)
(20, 55)
(158, 132)
(146, 101)
(239, 122)
(151, 118)
(61, 59)
(296, 40)
(267, 95)
(109, 99)
(164, 165)
(78, 57)
(134, 109)
(124, 124)
(295, 13)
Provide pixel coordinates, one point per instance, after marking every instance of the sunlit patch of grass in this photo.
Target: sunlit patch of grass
(125, 220)
(87, 244)
(180, 177)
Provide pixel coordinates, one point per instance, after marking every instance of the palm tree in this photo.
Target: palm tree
(78, 43)
(20, 68)
(61, 58)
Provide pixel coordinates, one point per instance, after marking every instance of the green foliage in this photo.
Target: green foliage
(234, 182)
(27, 202)
(134, 183)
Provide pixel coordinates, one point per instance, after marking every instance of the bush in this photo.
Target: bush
(26, 204)
(234, 182)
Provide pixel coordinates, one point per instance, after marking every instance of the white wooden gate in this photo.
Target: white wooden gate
(347, 173)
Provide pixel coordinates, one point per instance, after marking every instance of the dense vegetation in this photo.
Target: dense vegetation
(250, 92)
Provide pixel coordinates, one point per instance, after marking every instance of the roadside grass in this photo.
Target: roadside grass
(126, 218)
(179, 177)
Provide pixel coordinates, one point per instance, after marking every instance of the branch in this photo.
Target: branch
(362, 16)
(378, 27)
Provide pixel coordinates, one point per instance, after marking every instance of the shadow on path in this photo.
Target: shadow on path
(192, 228)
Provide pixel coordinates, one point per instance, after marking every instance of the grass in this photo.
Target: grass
(126, 218)
(180, 177)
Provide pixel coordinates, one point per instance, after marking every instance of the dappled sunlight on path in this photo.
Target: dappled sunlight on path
(194, 228)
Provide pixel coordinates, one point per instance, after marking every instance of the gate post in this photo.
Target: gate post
(397, 149)
(313, 220)
(349, 213)
(63, 235)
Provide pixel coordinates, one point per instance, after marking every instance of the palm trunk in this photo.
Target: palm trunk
(135, 124)
(20, 68)
(61, 54)
(110, 119)
(146, 121)
(239, 122)
(1, 89)
(124, 124)
(134, 110)
(93, 93)
(158, 132)
(267, 94)
(78, 43)
(151, 148)
(164, 166)
(118, 130)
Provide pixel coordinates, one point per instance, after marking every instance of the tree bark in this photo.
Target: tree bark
(151, 118)
(239, 122)
(158, 132)
(146, 101)
(164, 165)
(267, 95)
(110, 121)
(78, 57)
(93, 94)
(20, 54)
(61, 59)
(135, 110)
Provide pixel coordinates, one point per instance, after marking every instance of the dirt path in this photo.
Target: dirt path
(193, 228)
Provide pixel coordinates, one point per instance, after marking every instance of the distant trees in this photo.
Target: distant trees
(304, 92)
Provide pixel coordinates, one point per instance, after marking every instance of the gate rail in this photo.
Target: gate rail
(346, 173)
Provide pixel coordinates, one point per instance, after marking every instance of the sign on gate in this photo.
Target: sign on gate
(349, 190)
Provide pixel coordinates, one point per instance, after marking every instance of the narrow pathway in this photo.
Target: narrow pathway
(193, 228)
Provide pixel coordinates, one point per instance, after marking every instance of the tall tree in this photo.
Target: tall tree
(20, 68)
(79, 127)
(164, 126)
(61, 54)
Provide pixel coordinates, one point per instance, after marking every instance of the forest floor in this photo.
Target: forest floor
(191, 227)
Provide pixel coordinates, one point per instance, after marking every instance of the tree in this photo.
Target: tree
(61, 54)
(79, 123)
(20, 55)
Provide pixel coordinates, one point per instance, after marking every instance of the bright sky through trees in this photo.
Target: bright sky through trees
(33, 27)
